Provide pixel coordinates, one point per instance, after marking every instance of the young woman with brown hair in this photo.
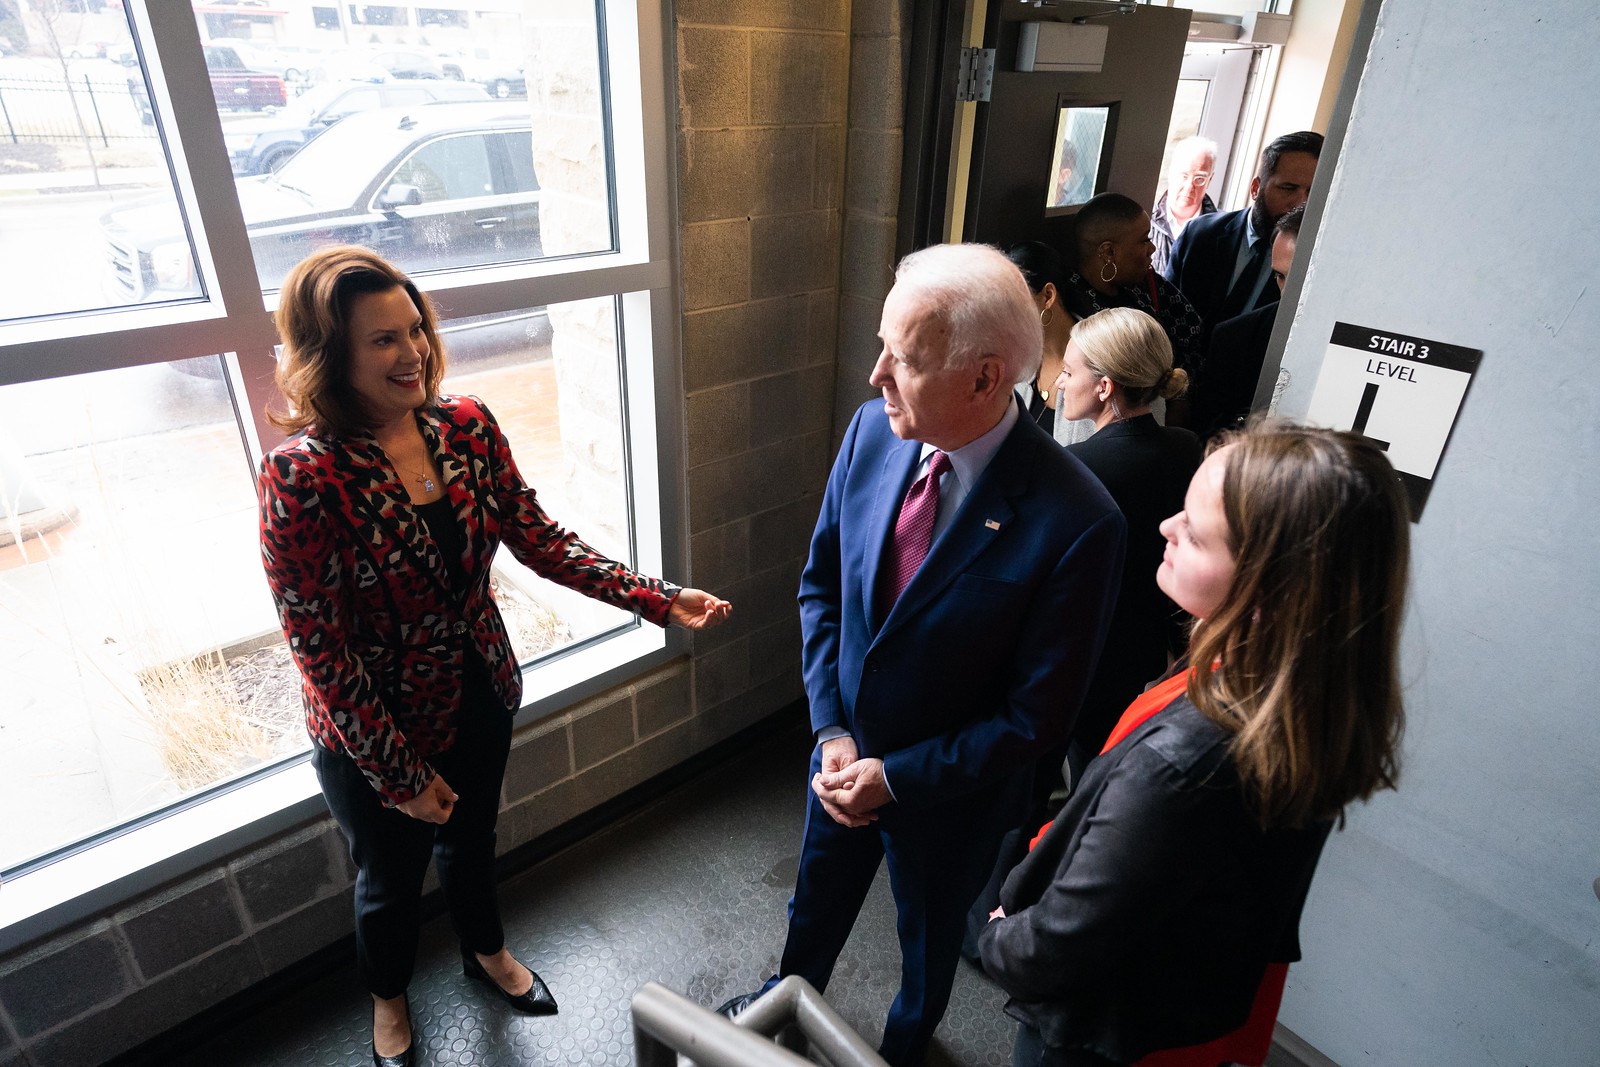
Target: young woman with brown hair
(1149, 911)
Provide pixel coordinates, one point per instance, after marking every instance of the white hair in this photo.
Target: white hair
(983, 300)
(1190, 147)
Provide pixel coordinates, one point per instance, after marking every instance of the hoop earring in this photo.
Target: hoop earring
(1112, 267)
(1047, 316)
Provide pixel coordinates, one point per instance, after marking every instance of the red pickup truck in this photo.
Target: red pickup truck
(237, 87)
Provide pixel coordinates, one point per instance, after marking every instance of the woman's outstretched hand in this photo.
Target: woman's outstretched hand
(696, 609)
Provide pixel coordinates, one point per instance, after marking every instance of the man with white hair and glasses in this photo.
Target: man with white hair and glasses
(1193, 164)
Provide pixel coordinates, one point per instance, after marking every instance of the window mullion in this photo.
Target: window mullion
(199, 156)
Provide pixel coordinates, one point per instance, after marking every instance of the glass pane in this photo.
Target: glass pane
(1188, 107)
(410, 130)
(78, 139)
(140, 657)
(552, 377)
(1080, 138)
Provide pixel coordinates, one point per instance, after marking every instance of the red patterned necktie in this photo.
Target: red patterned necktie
(913, 530)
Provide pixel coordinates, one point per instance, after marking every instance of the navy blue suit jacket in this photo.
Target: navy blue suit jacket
(1203, 258)
(983, 661)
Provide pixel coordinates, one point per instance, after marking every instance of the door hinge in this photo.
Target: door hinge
(976, 76)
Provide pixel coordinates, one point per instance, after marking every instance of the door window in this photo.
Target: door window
(1075, 165)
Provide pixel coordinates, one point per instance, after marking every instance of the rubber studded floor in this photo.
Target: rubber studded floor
(689, 892)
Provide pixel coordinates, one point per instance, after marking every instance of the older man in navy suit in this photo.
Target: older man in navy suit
(960, 579)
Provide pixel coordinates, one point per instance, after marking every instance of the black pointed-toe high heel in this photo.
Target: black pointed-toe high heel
(405, 1059)
(536, 1001)
(408, 1058)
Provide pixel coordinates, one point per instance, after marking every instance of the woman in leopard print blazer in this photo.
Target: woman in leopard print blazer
(379, 522)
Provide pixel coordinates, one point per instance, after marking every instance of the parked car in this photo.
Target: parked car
(291, 62)
(337, 67)
(403, 64)
(260, 146)
(500, 78)
(499, 73)
(430, 187)
(237, 87)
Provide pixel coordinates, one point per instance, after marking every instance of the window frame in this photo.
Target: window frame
(234, 319)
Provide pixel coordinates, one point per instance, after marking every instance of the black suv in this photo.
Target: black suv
(429, 187)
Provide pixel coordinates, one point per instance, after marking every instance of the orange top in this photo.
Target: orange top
(1145, 705)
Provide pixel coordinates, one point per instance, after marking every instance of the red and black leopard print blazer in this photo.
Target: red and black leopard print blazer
(364, 596)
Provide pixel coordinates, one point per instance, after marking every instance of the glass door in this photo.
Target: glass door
(1209, 103)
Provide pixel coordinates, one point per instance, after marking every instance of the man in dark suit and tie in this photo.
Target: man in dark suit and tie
(1238, 347)
(961, 577)
(1222, 263)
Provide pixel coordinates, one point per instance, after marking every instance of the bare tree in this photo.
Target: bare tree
(51, 16)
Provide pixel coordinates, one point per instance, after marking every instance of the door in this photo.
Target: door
(1208, 103)
(1046, 140)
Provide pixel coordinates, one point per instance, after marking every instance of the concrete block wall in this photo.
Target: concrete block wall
(785, 179)
(763, 94)
(872, 193)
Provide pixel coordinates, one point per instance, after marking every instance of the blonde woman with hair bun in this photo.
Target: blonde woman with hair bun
(1117, 364)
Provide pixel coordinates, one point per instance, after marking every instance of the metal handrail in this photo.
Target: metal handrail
(666, 1024)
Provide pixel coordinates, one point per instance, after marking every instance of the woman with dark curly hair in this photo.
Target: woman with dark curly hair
(379, 522)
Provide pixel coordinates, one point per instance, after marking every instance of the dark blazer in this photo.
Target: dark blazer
(1146, 467)
(1147, 913)
(1234, 358)
(982, 662)
(1203, 259)
(364, 596)
(1161, 230)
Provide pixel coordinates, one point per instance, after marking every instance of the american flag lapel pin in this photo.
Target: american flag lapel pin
(991, 524)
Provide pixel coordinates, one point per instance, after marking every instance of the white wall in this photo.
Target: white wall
(1307, 64)
(1456, 922)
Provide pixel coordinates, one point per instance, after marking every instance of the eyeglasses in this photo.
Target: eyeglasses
(1194, 179)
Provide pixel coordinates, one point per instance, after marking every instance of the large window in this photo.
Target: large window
(158, 179)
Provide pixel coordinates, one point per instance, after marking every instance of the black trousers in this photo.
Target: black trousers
(937, 863)
(391, 849)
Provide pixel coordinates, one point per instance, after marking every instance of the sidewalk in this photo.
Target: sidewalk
(55, 183)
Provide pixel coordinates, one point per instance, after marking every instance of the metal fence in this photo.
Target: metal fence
(37, 109)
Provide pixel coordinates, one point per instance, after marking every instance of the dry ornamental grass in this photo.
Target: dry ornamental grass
(216, 717)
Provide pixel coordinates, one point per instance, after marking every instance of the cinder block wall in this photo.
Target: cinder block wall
(772, 230)
(763, 96)
(872, 194)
